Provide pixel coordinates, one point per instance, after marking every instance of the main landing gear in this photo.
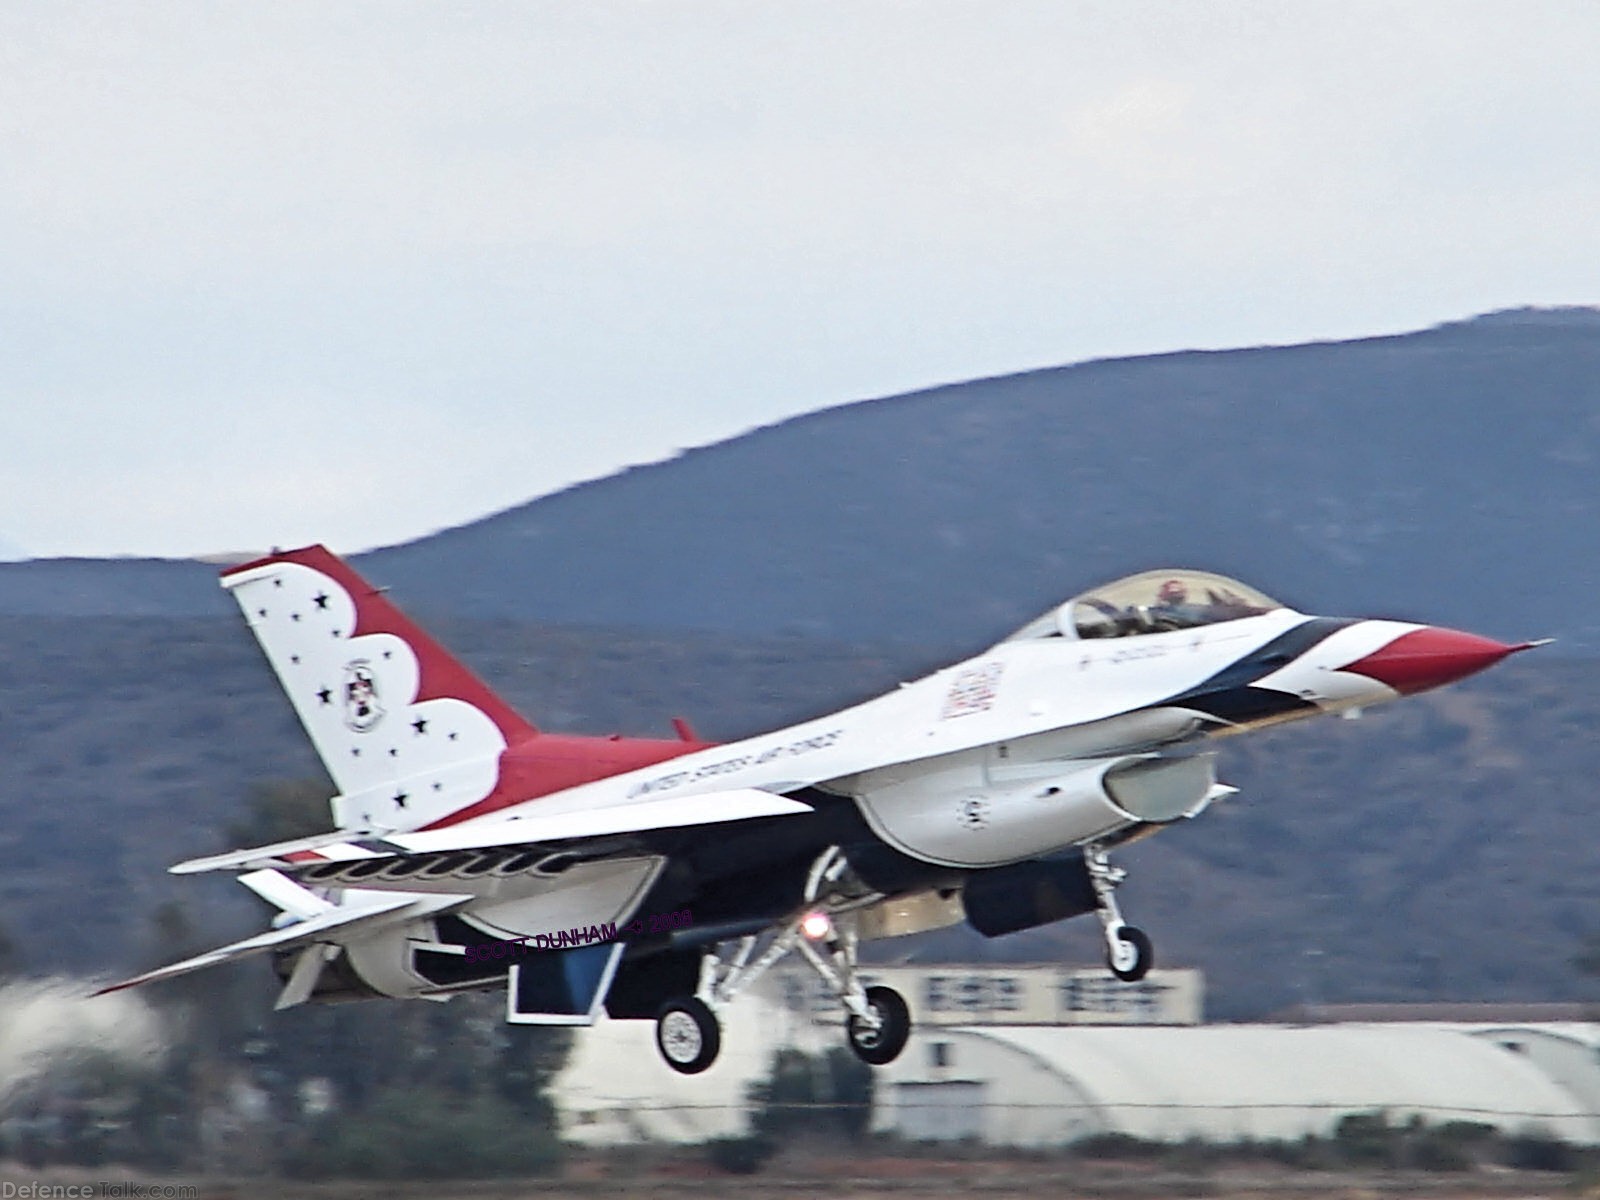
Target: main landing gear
(877, 1023)
(687, 1034)
(883, 1043)
(1129, 952)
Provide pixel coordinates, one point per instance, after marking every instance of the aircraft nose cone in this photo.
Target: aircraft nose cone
(1431, 657)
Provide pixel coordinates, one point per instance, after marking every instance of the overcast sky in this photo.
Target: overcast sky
(277, 273)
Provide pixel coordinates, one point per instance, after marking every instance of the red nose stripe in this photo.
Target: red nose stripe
(1430, 658)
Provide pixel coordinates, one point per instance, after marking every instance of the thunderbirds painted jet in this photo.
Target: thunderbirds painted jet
(656, 879)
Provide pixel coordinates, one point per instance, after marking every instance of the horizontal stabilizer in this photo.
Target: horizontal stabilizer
(276, 854)
(349, 918)
(709, 808)
(279, 890)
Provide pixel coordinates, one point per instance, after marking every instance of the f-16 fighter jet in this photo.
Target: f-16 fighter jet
(656, 879)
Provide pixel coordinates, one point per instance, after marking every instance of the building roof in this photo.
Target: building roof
(1271, 1081)
(1513, 1013)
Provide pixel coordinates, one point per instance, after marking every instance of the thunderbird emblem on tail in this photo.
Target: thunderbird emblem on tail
(361, 708)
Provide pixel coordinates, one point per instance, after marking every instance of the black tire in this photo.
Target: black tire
(1144, 956)
(883, 1044)
(687, 1034)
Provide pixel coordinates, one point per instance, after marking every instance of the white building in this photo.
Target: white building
(615, 1089)
(1040, 1086)
(1028, 1055)
(1567, 1051)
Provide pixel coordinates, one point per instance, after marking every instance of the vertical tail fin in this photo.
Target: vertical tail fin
(407, 733)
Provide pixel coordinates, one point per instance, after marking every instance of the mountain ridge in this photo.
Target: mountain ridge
(1444, 475)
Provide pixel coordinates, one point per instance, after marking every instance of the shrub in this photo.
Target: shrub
(1118, 1145)
(1535, 1151)
(740, 1155)
(411, 1134)
(1367, 1139)
(802, 1094)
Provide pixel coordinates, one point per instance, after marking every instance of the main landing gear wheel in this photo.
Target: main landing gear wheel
(883, 1044)
(687, 1035)
(1132, 957)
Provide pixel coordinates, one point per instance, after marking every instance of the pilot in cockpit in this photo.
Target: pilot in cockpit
(1172, 609)
(1155, 602)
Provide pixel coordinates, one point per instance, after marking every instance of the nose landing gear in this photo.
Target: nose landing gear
(1129, 952)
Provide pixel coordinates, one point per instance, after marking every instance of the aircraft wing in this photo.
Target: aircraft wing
(371, 912)
(706, 809)
(709, 808)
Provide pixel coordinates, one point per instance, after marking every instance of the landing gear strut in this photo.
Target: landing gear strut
(878, 1022)
(1129, 953)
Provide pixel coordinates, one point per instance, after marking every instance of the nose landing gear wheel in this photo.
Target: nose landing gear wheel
(1132, 957)
(687, 1035)
(883, 1044)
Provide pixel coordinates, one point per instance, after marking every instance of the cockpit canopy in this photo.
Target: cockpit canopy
(1150, 602)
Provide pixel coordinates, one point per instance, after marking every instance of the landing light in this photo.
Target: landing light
(816, 926)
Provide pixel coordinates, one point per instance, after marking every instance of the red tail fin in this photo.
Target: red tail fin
(407, 732)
